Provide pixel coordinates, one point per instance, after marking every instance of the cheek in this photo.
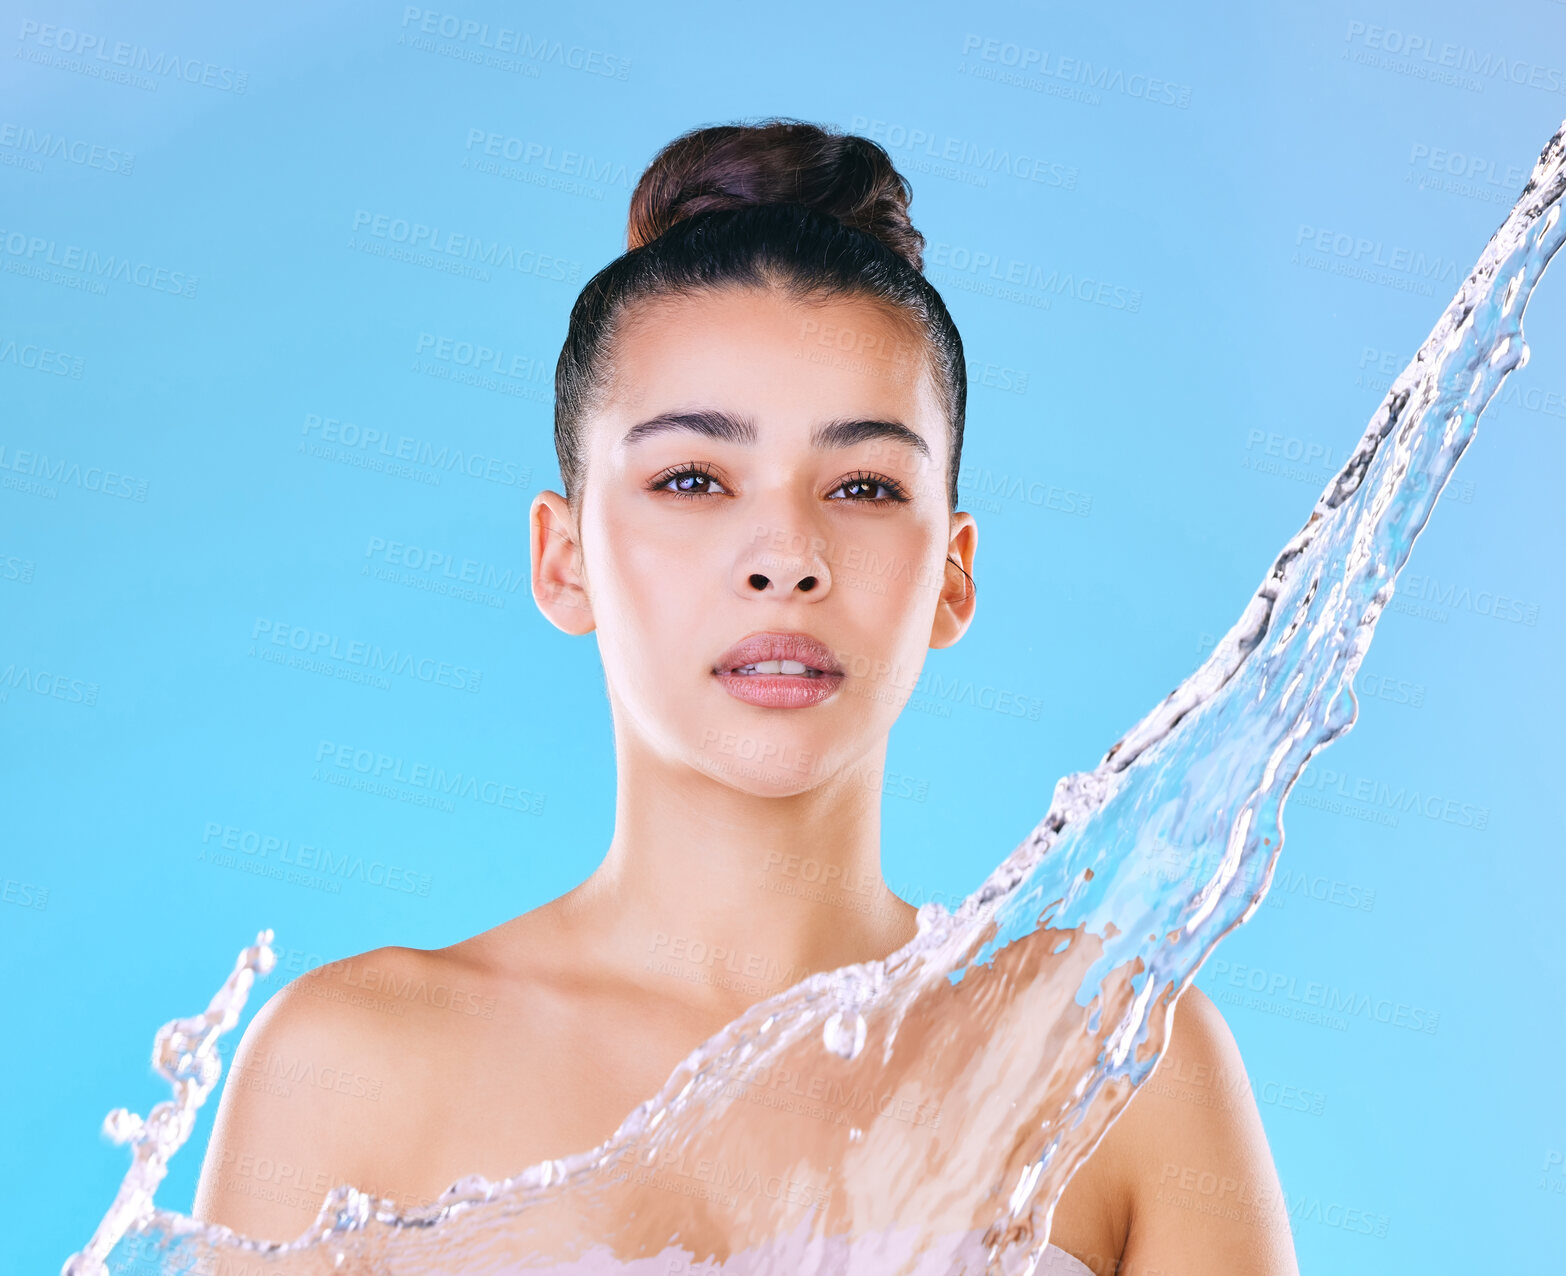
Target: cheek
(886, 588)
(894, 567)
(650, 592)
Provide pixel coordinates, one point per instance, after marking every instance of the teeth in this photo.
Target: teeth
(792, 668)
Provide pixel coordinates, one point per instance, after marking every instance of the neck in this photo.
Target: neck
(723, 897)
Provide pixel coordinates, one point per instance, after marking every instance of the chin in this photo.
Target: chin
(759, 781)
(774, 757)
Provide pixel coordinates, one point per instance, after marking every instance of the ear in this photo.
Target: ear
(559, 584)
(955, 607)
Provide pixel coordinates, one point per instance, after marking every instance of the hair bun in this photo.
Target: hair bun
(728, 166)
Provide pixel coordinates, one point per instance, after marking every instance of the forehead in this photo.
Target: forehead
(782, 359)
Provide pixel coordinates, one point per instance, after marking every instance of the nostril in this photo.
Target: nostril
(758, 581)
(808, 584)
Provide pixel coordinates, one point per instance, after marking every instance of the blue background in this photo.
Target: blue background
(1129, 464)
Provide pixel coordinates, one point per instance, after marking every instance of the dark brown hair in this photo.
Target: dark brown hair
(783, 204)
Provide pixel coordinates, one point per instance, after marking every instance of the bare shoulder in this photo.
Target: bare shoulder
(1199, 1090)
(400, 1070)
(313, 1088)
(1192, 1156)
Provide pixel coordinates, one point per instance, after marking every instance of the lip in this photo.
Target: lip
(780, 690)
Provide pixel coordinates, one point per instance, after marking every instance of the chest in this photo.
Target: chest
(494, 1099)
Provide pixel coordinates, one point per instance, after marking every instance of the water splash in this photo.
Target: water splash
(1027, 1017)
(185, 1054)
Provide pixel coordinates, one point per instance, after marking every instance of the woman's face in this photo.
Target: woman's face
(767, 470)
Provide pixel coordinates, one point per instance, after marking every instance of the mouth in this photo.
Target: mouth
(779, 670)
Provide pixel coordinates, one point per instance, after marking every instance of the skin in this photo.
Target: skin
(536, 1038)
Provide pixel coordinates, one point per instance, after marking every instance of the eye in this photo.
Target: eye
(862, 481)
(689, 479)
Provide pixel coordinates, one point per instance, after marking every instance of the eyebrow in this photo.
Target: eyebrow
(714, 423)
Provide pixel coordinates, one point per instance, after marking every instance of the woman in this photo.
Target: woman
(759, 417)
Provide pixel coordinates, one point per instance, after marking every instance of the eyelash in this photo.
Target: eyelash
(897, 495)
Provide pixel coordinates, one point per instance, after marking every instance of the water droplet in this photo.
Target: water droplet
(844, 1034)
(122, 1126)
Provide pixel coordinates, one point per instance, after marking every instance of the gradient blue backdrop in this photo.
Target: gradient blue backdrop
(1279, 201)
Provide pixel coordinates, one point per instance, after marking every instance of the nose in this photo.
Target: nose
(783, 567)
